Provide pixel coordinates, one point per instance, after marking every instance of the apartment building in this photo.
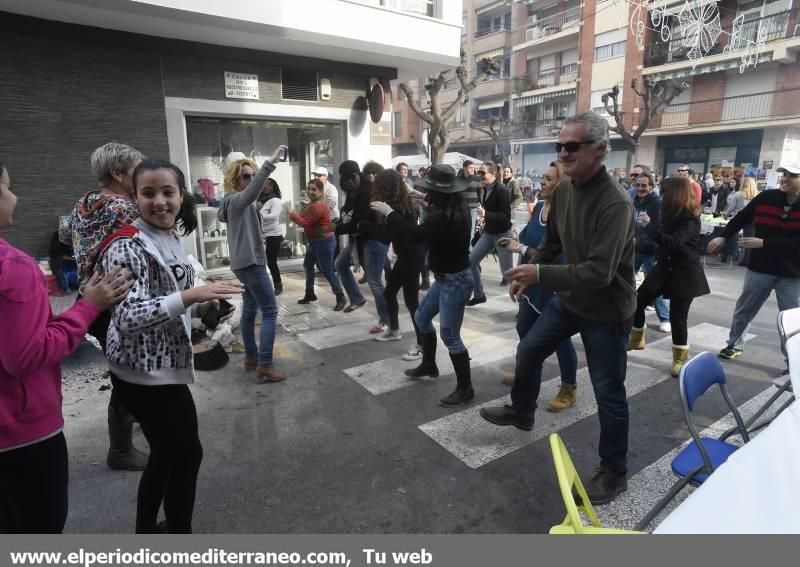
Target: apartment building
(564, 55)
(487, 32)
(732, 114)
(202, 84)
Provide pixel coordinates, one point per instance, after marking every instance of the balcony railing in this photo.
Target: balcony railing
(548, 77)
(542, 128)
(492, 29)
(773, 28)
(542, 27)
(745, 108)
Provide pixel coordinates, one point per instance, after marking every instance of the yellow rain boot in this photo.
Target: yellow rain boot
(508, 378)
(636, 339)
(565, 398)
(679, 355)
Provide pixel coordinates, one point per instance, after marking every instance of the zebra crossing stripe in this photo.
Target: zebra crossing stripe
(704, 336)
(387, 375)
(476, 442)
(650, 484)
(340, 335)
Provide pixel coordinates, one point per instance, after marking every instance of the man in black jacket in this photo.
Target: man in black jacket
(356, 208)
(775, 254)
(494, 212)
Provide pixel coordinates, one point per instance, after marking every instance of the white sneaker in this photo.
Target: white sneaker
(665, 327)
(414, 353)
(649, 308)
(389, 335)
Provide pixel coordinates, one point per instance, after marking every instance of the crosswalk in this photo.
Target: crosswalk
(474, 442)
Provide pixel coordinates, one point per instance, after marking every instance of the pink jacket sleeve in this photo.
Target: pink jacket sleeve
(36, 339)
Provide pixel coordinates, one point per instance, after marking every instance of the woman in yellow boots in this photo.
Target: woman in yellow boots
(678, 275)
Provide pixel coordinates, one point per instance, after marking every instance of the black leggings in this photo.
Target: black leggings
(33, 487)
(405, 274)
(169, 422)
(678, 314)
(273, 244)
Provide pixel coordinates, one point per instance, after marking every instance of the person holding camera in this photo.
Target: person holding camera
(243, 184)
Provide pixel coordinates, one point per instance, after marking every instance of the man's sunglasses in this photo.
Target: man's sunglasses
(481, 173)
(644, 185)
(572, 147)
(683, 171)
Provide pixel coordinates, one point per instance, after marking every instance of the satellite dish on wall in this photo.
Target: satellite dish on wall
(375, 101)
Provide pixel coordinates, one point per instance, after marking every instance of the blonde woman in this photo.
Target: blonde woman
(736, 202)
(244, 181)
(535, 298)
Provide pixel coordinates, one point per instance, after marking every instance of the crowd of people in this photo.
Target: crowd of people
(585, 239)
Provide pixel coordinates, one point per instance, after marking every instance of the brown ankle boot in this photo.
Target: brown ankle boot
(270, 373)
(250, 363)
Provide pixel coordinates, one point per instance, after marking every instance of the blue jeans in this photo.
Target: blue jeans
(375, 256)
(756, 290)
(258, 294)
(662, 305)
(342, 265)
(482, 248)
(607, 359)
(565, 351)
(321, 251)
(447, 298)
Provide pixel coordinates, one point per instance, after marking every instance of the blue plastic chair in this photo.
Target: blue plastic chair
(703, 455)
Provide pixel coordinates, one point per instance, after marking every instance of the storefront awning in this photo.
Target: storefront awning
(538, 99)
(493, 103)
(490, 54)
(492, 6)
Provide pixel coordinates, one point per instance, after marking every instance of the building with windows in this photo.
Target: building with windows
(202, 84)
(731, 115)
(564, 55)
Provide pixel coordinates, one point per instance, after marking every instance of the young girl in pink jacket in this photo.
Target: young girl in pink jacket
(33, 451)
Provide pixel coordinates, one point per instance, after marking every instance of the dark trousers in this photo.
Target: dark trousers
(678, 314)
(405, 274)
(169, 422)
(565, 352)
(605, 344)
(33, 487)
(273, 246)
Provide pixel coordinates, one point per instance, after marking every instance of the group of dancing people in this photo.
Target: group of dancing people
(576, 276)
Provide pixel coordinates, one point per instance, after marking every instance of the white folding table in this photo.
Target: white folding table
(757, 490)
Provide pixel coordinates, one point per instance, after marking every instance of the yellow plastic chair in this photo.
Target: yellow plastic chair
(567, 478)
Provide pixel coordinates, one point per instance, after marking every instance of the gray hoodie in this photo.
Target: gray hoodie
(238, 210)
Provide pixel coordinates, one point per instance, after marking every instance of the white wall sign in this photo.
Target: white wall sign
(241, 85)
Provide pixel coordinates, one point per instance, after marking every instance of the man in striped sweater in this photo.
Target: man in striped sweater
(775, 254)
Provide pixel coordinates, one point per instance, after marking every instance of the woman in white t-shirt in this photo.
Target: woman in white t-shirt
(273, 231)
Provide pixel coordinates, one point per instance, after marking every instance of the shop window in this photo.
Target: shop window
(298, 84)
(214, 143)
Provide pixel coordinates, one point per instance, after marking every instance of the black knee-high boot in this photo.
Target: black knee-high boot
(463, 392)
(428, 366)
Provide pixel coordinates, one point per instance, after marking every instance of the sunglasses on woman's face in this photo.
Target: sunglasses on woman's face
(247, 176)
(481, 173)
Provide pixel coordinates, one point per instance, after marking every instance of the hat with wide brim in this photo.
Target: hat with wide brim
(442, 179)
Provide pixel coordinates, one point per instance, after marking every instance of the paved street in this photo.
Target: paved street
(349, 445)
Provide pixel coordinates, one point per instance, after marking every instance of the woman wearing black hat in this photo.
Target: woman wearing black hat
(446, 230)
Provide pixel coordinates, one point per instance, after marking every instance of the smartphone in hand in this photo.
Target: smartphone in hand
(284, 154)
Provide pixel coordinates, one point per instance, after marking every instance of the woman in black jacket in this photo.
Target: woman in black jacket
(446, 231)
(678, 274)
(389, 187)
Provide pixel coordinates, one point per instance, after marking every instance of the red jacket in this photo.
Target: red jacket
(33, 344)
(315, 218)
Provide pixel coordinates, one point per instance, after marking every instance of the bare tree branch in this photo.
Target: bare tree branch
(412, 103)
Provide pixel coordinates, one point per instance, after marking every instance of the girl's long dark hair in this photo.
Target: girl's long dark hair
(187, 217)
(276, 190)
(390, 188)
(448, 208)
